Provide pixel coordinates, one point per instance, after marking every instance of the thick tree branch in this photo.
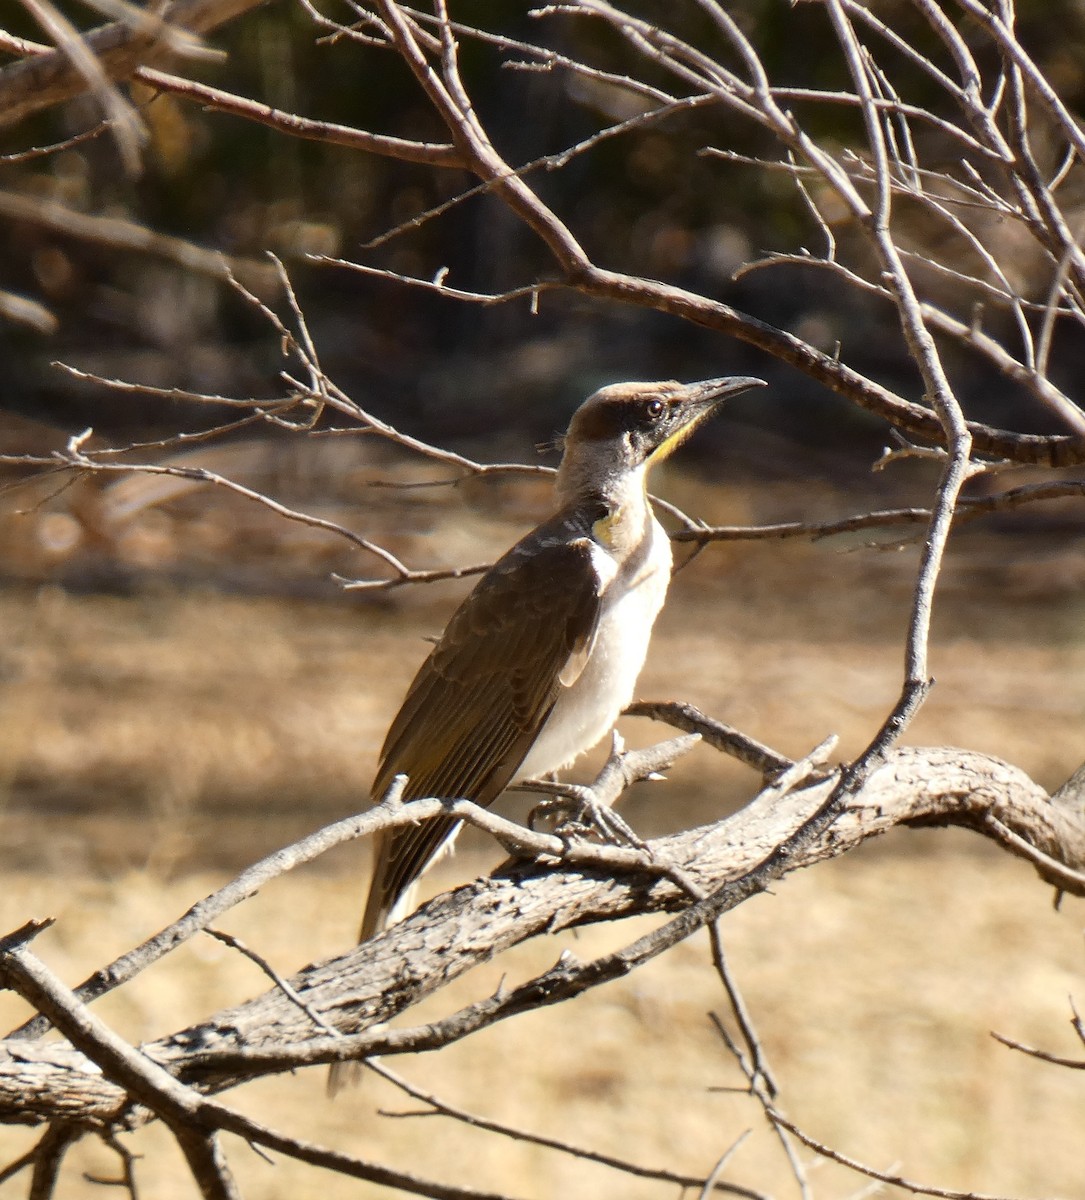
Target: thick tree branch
(394, 971)
(49, 79)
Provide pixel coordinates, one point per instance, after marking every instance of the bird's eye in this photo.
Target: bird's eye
(654, 408)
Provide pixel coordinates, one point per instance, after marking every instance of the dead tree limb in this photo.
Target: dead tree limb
(120, 48)
(389, 975)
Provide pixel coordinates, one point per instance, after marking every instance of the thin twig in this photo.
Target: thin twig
(1058, 1060)
(723, 737)
(215, 99)
(893, 1180)
(228, 939)
(711, 1183)
(128, 1166)
(758, 1088)
(1054, 871)
(437, 1105)
(758, 1063)
(968, 509)
(18, 1164)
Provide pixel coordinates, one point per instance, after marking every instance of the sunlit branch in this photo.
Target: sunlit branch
(217, 100)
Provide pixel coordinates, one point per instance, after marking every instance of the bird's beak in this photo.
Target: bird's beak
(695, 403)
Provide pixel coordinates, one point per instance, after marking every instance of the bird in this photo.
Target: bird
(539, 660)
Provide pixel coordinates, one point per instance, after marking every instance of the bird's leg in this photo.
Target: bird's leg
(576, 812)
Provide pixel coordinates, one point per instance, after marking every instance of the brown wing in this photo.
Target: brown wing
(478, 702)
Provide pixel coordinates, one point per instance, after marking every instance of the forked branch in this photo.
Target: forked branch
(726, 862)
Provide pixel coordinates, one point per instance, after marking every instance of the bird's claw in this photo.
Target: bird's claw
(577, 814)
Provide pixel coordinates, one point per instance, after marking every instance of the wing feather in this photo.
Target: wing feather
(479, 700)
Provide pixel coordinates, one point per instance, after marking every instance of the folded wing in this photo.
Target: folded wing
(478, 702)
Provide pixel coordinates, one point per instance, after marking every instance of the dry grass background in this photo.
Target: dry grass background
(153, 743)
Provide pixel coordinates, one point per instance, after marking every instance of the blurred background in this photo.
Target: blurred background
(185, 685)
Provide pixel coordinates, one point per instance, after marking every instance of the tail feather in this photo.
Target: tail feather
(379, 902)
(390, 897)
(343, 1075)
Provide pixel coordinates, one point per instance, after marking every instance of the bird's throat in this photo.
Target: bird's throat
(608, 530)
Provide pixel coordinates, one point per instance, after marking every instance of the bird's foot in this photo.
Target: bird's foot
(574, 812)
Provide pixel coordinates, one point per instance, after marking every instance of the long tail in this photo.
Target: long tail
(400, 856)
(380, 900)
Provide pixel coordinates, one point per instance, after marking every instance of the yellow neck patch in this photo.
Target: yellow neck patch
(606, 529)
(676, 439)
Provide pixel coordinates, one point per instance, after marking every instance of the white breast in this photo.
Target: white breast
(585, 713)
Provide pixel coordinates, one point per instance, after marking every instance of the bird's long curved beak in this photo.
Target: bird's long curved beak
(711, 392)
(698, 401)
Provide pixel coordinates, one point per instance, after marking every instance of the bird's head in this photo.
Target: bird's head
(621, 431)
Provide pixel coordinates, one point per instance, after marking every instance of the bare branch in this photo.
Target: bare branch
(52, 148)
(342, 1164)
(48, 1157)
(970, 334)
(900, 1181)
(192, 1119)
(759, 1073)
(968, 509)
(449, 98)
(235, 943)
(75, 458)
(49, 79)
(390, 813)
(1058, 1060)
(127, 128)
(178, 1107)
(432, 154)
(1064, 877)
(1060, 451)
(121, 234)
(529, 292)
(727, 862)
(437, 1105)
(715, 733)
(21, 310)
(760, 1088)
(128, 1166)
